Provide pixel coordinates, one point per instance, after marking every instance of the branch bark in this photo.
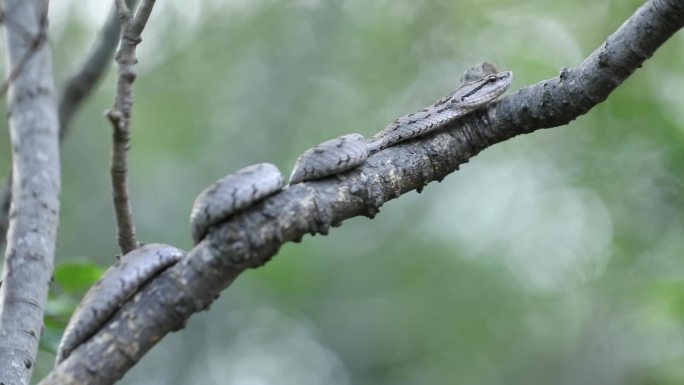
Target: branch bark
(252, 237)
(74, 92)
(34, 210)
(90, 72)
(36, 42)
(120, 117)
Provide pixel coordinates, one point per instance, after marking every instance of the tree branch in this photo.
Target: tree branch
(90, 72)
(120, 117)
(33, 222)
(251, 238)
(76, 89)
(36, 42)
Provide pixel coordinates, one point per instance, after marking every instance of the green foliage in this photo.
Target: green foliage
(74, 278)
(71, 280)
(554, 257)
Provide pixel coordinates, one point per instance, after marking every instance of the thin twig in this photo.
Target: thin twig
(75, 90)
(254, 237)
(35, 43)
(90, 71)
(16, 71)
(120, 117)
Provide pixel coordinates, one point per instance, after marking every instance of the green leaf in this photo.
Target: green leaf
(77, 277)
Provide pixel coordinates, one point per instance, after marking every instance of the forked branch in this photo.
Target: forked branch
(253, 237)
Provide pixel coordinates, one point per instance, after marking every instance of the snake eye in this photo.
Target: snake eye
(491, 78)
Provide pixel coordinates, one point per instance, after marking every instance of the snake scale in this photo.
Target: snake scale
(348, 151)
(238, 191)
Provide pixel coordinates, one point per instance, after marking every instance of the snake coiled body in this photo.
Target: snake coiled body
(117, 284)
(348, 151)
(222, 199)
(243, 188)
(232, 193)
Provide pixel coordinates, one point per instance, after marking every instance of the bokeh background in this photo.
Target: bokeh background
(555, 257)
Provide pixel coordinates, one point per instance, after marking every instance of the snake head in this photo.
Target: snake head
(483, 91)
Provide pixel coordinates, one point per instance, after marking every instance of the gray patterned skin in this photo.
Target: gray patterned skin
(116, 285)
(219, 201)
(469, 97)
(349, 151)
(330, 157)
(232, 193)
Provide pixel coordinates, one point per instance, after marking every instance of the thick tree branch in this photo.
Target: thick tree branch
(74, 92)
(251, 238)
(120, 117)
(36, 185)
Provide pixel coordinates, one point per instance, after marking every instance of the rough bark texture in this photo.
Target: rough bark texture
(36, 185)
(120, 117)
(123, 279)
(75, 90)
(251, 238)
(89, 73)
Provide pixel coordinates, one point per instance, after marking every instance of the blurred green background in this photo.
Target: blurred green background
(553, 258)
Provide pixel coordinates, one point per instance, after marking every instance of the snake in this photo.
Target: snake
(116, 285)
(240, 190)
(222, 199)
(351, 150)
